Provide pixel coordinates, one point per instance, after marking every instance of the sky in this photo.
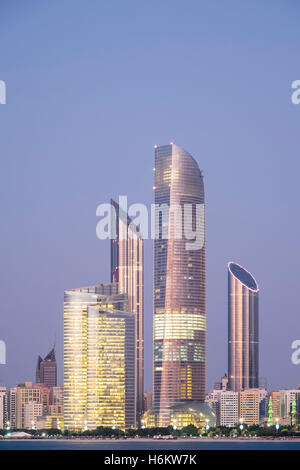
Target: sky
(92, 86)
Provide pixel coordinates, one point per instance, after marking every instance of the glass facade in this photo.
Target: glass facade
(243, 294)
(179, 286)
(127, 271)
(99, 359)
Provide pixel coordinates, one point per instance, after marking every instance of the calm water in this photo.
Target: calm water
(149, 445)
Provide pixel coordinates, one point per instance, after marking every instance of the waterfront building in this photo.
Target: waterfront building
(99, 359)
(229, 408)
(243, 359)
(249, 402)
(127, 262)
(179, 282)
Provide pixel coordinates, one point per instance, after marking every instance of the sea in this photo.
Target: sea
(151, 445)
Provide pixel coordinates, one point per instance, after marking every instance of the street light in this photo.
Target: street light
(207, 425)
(8, 426)
(277, 424)
(241, 425)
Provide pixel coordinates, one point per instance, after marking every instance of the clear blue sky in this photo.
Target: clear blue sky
(91, 87)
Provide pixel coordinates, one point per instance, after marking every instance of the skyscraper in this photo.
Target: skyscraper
(179, 283)
(127, 270)
(242, 329)
(46, 371)
(99, 359)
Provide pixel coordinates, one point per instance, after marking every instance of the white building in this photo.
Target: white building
(229, 409)
(32, 410)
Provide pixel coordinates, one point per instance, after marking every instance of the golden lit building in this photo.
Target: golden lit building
(99, 359)
(249, 401)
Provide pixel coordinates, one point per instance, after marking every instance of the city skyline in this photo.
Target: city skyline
(84, 108)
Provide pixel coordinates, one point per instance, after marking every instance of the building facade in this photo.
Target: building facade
(127, 261)
(179, 282)
(243, 352)
(229, 409)
(99, 359)
(249, 406)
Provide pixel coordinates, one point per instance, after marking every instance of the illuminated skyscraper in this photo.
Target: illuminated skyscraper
(242, 329)
(127, 271)
(179, 283)
(99, 359)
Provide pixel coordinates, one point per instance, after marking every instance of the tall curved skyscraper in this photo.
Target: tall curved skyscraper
(179, 282)
(243, 360)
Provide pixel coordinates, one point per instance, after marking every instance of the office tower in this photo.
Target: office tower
(249, 401)
(127, 270)
(242, 329)
(3, 407)
(229, 409)
(179, 282)
(46, 371)
(99, 359)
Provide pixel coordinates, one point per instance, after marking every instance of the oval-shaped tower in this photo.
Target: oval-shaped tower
(243, 361)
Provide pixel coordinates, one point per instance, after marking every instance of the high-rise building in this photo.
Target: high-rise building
(3, 407)
(243, 360)
(46, 371)
(99, 359)
(229, 408)
(179, 282)
(127, 270)
(249, 404)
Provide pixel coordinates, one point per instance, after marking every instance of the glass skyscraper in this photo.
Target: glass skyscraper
(243, 361)
(127, 270)
(179, 284)
(99, 359)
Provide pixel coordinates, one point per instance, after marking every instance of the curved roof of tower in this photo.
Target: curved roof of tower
(242, 275)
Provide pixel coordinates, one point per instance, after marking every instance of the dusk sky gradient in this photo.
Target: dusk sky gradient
(92, 86)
